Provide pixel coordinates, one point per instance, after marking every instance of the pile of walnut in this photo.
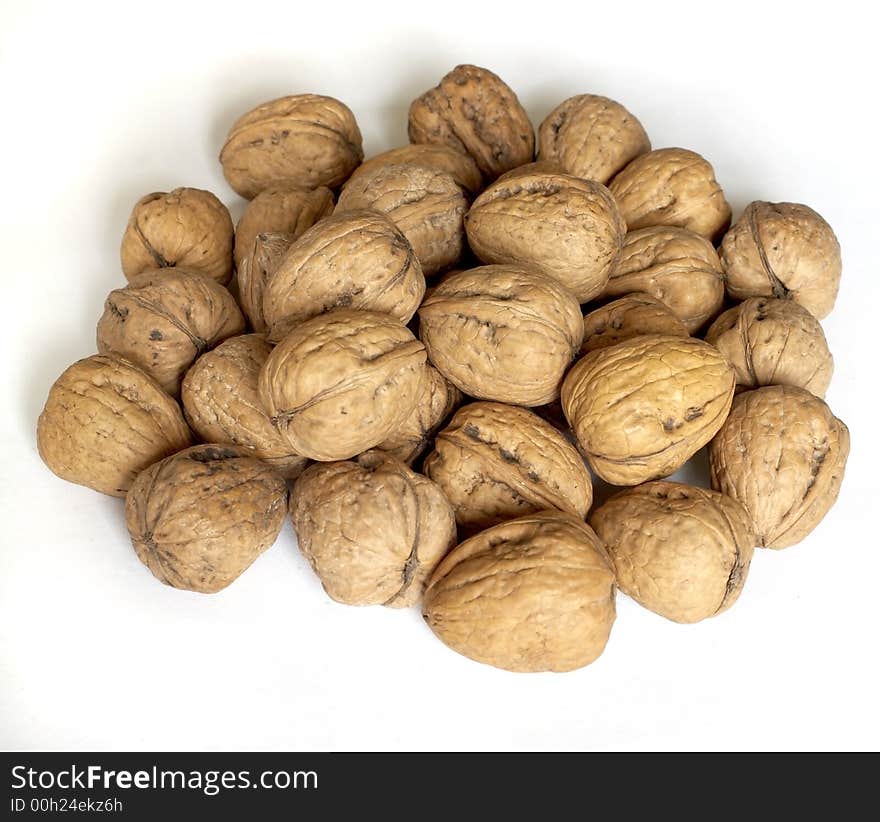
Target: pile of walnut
(586, 304)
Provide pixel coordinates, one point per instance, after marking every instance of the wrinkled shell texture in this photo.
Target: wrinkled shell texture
(341, 383)
(372, 529)
(199, 519)
(357, 259)
(782, 454)
(474, 111)
(495, 462)
(675, 187)
(459, 165)
(568, 228)
(642, 408)
(186, 227)
(681, 552)
(502, 333)
(426, 204)
(254, 272)
(222, 404)
(304, 140)
(163, 319)
(634, 315)
(774, 342)
(678, 267)
(783, 250)
(532, 594)
(105, 421)
(591, 137)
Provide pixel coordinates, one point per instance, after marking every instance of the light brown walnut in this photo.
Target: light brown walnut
(634, 315)
(254, 272)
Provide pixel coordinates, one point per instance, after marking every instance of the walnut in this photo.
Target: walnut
(198, 519)
(372, 529)
(566, 227)
(164, 318)
(532, 594)
(186, 227)
(678, 267)
(782, 454)
(342, 382)
(774, 342)
(254, 272)
(222, 404)
(426, 204)
(356, 259)
(304, 140)
(642, 408)
(105, 421)
(591, 137)
(634, 315)
(675, 187)
(472, 110)
(679, 551)
(495, 462)
(783, 250)
(502, 333)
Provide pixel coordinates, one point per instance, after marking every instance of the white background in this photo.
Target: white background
(101, 104)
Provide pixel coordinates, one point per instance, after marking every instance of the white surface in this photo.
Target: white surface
(103, 105)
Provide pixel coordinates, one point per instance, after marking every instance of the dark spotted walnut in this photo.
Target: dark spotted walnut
(634, 315)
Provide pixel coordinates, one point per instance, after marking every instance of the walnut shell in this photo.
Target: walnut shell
(774, 342)
(281, 210)
(681, 552)
(254, 272)
(186, 227)
(342, 382)
(570, 229)
(535, 167)
(426, 204)
(305, 140)
(642, 408)
(678, 267)
(372, 530)
(222, 404)
(672, 186)
(198, 519)
(532, 594)
(356, 259)
(474, 111)
(591, 137)
(165, 318)
(502, 333)
(782, 454)
(105, 421)
(634, 315)
(495, 462)
(783, 250)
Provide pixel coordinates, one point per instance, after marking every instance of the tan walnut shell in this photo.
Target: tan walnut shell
(304, 140)
(774, 342)
(532, 594)
(222, 405)
(371, 529)
(198, 519)
(163, 319)
(502, 333)
(342, 382)
(675, 187)
(642, 408)
(186, 227)
(474, 111)
(356, 259)
(105, 421)
(678, 267)
(681, 552)
(783, 250)
(591, 137)
(426, 204)
(634, 315)
(570, 229)
(254, 272)
(495, 462)
(781, 454)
